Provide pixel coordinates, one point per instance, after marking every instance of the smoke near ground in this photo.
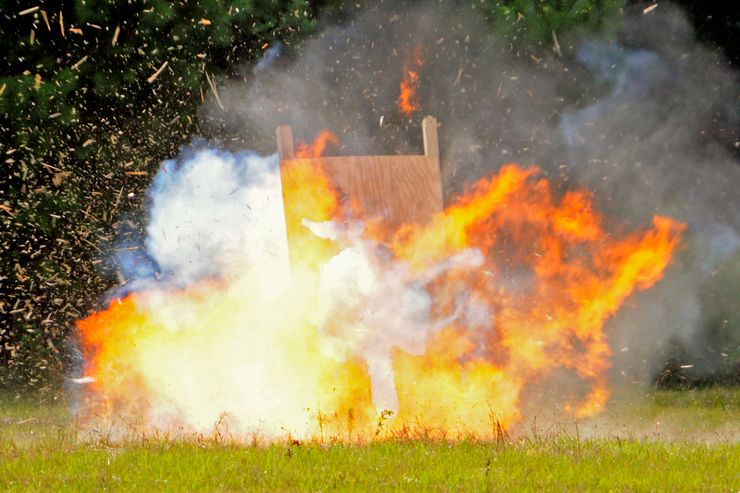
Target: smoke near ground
(645, 117)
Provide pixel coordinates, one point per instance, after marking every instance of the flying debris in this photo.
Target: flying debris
(82, 380)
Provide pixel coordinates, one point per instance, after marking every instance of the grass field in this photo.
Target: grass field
(694, 448)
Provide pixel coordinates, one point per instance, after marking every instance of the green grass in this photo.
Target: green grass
(721, 398)
(551, 464)
(706, 415)
(40, 450)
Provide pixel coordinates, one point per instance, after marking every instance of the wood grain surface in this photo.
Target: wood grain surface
(391, 189)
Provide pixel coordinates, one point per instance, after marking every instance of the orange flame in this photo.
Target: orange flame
(310, 196)
(318, 147)
(579, 277)
(408, 102)
(550, 278)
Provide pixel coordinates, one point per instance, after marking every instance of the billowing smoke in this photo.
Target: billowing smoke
(367, 297)
(213, 212)
(645, 117)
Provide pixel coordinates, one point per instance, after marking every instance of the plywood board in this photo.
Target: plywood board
(394, 190)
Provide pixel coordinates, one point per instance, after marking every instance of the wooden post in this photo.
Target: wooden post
(429, 132)
(284, 136)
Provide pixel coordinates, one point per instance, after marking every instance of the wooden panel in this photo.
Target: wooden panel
(393, 189)
(284, 136)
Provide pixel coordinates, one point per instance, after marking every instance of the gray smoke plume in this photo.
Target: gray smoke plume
(646, 118)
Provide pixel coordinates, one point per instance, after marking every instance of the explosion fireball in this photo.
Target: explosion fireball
(441, 327)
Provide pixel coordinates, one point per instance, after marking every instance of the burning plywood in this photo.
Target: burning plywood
(389, 190)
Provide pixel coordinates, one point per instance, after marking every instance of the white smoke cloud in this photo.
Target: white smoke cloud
(379, 304)
(215, 214)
